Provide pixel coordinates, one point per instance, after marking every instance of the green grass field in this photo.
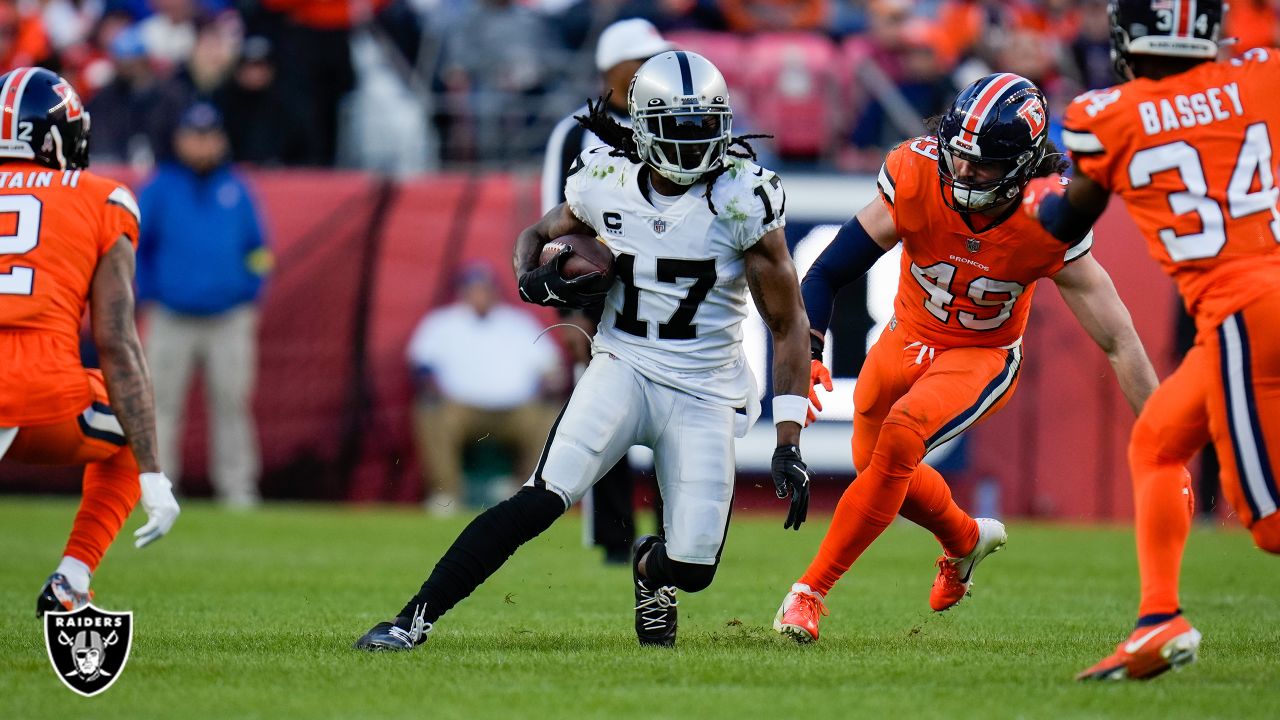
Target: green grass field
(252, 615)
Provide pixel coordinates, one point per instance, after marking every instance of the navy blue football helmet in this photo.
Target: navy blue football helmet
(42, 120)
(1169, 28)
(1001, 119)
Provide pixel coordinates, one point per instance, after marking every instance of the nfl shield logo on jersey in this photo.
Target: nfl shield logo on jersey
(973, 245)
(88, 647)
(659, 225)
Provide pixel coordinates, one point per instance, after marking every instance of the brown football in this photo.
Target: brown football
(590, 255)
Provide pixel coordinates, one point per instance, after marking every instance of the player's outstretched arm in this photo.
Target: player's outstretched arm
(1089, 293)
(123, 364)
(772, 278)
(856, 247)
(129, 383)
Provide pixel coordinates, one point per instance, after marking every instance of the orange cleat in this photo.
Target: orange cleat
(1148, 652)
(955, 575)
(798, 617)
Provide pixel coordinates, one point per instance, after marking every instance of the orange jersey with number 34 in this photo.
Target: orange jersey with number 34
(54, 226)
(959, 287)
(1193, 156)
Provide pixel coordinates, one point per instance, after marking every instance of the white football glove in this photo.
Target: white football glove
(162, 508)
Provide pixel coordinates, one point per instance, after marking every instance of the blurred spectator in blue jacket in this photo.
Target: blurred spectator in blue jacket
(201, 260)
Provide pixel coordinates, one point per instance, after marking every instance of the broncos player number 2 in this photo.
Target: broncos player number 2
(669, 270)
(1253, 161)
(21, 235)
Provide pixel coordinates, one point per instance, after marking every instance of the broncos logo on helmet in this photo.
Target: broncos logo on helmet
(42, 120)
(1001, 119)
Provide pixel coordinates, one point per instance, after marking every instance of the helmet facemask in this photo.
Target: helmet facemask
(964, 196)
(681, 123)
(683, 143)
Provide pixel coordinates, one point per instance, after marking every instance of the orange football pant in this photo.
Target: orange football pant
(1227, 390)
(110, 489)
(910, 398)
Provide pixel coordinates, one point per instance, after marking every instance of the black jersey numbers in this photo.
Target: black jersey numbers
(680, 325)
(761, 193)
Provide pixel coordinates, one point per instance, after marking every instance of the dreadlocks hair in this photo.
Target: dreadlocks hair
(1052, 160)
(610, 131)
(620, 138)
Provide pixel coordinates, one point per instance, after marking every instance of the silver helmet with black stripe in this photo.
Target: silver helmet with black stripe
(680, 115)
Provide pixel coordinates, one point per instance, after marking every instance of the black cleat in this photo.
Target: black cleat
(58, 596)
(403, 634)
(655, 607)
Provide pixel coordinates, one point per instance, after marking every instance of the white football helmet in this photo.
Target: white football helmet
(680, 116)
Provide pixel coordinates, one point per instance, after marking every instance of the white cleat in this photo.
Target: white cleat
(955, 575)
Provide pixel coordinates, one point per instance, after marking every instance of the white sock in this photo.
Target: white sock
(76, 572)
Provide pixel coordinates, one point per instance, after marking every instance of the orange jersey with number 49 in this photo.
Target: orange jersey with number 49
(54, 226)
(959, 287)
(1193, 156)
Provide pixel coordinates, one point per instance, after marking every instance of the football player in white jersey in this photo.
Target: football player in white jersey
(692, 224)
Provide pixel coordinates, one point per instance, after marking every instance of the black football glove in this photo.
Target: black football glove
(544, 285)
(791, 477)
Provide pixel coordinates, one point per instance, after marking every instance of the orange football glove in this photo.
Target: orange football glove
(1038, 189)
(818, 375)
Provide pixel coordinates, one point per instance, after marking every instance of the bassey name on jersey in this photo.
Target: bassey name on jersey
(1183, 111)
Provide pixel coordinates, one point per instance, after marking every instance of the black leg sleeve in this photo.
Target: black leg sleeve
(483, 547)
(662, 570)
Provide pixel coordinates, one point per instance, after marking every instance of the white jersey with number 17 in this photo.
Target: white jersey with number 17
(676, 310)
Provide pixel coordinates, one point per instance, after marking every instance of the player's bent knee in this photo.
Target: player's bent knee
(900, 443)
(530, 511)
(686, 576)
(1266, 533)
(690, 577)
(1149, 446)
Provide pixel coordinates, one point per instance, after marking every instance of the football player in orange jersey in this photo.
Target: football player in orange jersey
(1190, 144)
(66, 241)
(951, 354)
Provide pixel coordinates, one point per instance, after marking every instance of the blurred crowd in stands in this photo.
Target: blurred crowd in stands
(412, 85)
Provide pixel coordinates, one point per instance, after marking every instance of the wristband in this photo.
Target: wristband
(816, 346)
(790, 408)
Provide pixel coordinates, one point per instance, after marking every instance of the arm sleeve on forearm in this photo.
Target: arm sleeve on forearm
(1062, 220)
(849, 256)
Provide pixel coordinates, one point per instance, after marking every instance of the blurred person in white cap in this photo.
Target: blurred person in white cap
(622, 48)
